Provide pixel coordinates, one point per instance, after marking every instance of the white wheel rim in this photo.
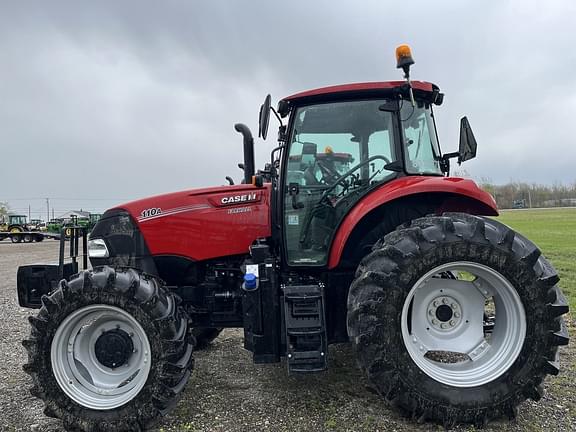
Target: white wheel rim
(78, 371)
(428, 327)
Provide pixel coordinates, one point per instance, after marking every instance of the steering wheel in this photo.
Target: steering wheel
(323, 198)
(329, 172)
(342, 178)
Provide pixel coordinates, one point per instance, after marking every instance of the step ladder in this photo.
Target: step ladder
(304, 317)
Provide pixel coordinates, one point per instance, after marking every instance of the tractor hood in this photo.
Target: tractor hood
(197, 224)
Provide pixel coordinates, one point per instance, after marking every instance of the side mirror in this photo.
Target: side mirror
(264, 117)
(467, 147)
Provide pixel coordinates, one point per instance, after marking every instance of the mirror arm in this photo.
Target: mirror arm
(450, 155)
(277, 116)
(445, 161)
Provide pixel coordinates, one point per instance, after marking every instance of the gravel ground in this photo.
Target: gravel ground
(229, 393)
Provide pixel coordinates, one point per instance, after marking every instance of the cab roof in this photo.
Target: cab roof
(357, 89)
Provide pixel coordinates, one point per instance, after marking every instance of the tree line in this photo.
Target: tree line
(3, 210)
(525, 195)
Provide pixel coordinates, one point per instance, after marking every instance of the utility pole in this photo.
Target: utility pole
(29, 215)
(529, 198)
(47, 209)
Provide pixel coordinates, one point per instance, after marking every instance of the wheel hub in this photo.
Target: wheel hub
(450, 343)
(444, 313)
(113, 348)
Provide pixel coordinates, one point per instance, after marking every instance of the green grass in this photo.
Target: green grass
(554, 231)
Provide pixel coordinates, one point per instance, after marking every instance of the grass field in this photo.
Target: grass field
(554, 231)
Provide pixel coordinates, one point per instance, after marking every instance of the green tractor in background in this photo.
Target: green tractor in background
(14, 223)
(57, 225)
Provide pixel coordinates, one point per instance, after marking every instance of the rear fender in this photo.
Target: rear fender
(432, 194)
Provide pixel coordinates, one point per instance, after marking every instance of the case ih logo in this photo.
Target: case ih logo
(234, 199)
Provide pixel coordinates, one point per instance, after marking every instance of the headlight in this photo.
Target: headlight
(97, 249)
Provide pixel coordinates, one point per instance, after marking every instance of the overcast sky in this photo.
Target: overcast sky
(107, 101)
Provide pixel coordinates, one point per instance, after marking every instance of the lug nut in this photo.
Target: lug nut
(453, 306)
(457, 315)
(444, 326)
(435, 322)
(444, 301)
(435, 303)
(452, 323)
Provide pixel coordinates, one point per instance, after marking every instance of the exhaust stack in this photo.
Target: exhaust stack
(248, 151)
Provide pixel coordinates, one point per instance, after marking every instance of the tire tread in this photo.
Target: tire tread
(167, 324)
(392, 256)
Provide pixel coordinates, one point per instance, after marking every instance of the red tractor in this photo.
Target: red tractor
(353, 232)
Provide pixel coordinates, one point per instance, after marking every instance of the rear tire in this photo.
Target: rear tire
(15, 238)
(393, 295)
(205, 336)
(81, 380)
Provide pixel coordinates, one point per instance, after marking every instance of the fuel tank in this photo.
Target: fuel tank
(204, 223)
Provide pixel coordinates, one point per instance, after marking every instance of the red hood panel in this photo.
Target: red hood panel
(204, 223)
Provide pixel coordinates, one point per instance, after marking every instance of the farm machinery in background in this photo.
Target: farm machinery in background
(37, 225)
(17, 229)
(14, 223)
(59, 225)
(354, 232)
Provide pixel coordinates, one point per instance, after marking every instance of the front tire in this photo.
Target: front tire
(456, 319)
(109, 351)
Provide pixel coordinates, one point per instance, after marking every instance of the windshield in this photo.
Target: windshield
(422, 154)
(18, 220)
(337, 152)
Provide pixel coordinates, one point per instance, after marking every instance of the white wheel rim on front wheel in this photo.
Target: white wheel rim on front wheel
(459, 331)
(79, 373)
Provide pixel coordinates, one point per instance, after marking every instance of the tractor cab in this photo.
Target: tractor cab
(14, 223)
(343, 142)
(17, 220)
(340, 150)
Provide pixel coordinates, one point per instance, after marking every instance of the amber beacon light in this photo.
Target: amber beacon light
(404, 57)
(404, 60)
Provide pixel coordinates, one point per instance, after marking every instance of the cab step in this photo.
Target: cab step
(305, 323)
